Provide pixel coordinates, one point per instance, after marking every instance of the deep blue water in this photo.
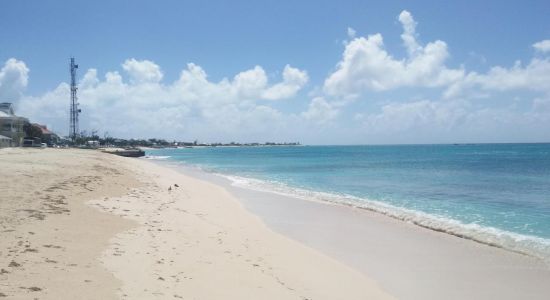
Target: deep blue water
(497, 193)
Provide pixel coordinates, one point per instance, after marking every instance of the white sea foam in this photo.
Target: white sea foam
(157, 157)
(525, 244)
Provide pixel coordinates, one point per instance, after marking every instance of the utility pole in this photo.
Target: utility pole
(73, 133)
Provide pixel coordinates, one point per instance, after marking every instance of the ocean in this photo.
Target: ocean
(497, 194)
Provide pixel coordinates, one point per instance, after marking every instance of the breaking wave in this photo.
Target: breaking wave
(157, 157)
(520, 243)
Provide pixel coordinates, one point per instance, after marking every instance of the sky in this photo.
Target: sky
(316, 72)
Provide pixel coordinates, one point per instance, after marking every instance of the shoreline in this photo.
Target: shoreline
(429, 249)
(523, 244)
(120, 232)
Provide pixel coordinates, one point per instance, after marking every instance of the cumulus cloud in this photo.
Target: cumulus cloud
(320, 111)
(142, 71)
(533, 77)
(542, 46)
(51, 108)
(192, 105)
(293, 80)
(351, 33)
(89, 80)
(409, 35)
(429, 101)
(14, 77)
(462, 111)
(433, 121)
(366, 65)
(404, 117)
(250, 83)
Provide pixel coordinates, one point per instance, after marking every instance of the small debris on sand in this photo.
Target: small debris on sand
(14, 264)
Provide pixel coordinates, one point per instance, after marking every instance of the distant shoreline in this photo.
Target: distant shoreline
(370, 145)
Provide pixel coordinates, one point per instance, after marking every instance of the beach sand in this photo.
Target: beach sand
(407, 261)
(81, 224)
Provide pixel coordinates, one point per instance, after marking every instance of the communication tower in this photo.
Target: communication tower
(73, 134)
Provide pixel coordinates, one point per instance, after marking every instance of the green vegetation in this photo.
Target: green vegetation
(85, 139)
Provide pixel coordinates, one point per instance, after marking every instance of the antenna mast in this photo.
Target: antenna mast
(73, 134)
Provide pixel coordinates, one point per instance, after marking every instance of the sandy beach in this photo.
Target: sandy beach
(275, 150)
(407, 261)
(81, 224)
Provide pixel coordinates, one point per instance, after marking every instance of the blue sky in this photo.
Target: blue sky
(149, 43)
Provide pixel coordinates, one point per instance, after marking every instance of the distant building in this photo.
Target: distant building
(11, 126)
(5, 141)
(92, 144)
(48, 136)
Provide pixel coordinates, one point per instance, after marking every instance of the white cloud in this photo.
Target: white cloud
(192, 106)
(142, 71)
(366, 65)
(427, 121)
(13, 80)
(293, 80)
(409, 33)
(404, 117)
(503, 104)
(51, 108)
(250, 83)
(542, 46)
(467, 108)
(89, 79)
(533, 77)
(320, 111)
(351, 33)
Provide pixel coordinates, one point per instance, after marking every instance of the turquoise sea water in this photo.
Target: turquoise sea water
(493, 193)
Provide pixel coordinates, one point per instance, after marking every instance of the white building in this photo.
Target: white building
(11, 126)
(5, 141)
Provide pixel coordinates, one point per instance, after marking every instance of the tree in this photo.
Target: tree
(94, 136)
